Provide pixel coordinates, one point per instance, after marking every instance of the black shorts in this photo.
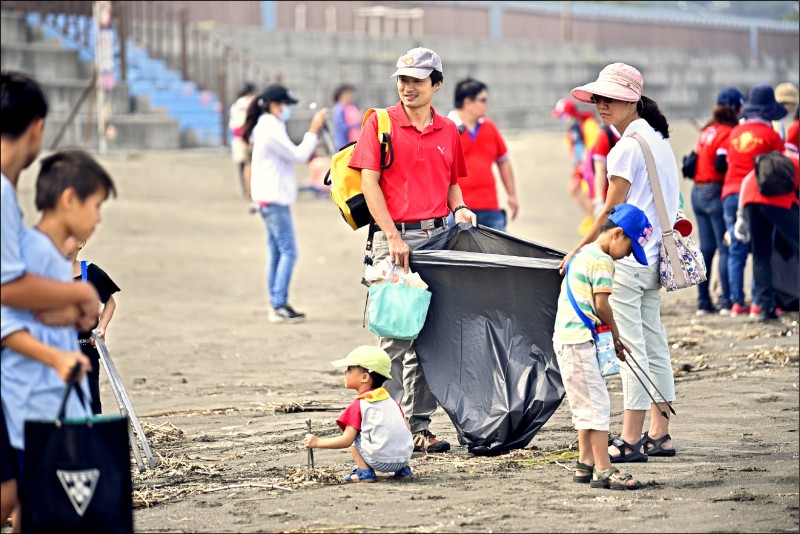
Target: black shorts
(8, 456)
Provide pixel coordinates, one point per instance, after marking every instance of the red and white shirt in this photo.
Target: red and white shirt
(385, 437)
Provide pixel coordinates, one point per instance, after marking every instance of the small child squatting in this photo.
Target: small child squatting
(374, 428)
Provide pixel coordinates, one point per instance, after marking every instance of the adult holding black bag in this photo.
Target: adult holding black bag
(636, 299)
(711, 164)
(410, 202)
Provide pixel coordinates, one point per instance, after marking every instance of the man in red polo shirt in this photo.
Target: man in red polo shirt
(483, 149)
(409, 203)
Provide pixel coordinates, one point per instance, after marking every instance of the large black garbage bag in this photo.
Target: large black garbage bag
(486, 348)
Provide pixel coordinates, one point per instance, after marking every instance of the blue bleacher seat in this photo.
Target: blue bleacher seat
(182, 99)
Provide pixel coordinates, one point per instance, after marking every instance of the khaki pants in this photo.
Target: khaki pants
(636, 301)
(408, 385)
(585, 386)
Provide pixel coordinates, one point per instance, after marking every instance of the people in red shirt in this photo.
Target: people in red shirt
(753, 137)
(409, 202)
(483, 149)
(595, 170)
(769, 217)
(793, 134)
(712, 150)
(581, 135)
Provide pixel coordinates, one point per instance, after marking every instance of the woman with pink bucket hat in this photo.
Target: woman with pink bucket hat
(617, 94)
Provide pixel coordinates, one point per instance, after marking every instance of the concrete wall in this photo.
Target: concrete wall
(518, 21)
(525, 79)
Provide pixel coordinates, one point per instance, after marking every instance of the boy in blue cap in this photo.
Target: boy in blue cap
(590, 277)
(374, 428)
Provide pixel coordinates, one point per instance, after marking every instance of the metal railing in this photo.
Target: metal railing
(165, 33)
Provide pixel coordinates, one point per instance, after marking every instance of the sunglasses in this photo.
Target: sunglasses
(598, 99)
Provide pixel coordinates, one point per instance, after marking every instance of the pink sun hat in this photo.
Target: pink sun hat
(618, 81)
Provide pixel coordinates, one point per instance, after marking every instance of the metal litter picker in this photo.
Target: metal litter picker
(125, 405)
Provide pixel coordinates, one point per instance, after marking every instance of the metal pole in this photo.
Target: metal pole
(113, 374)
(223, 99)
(123, 409)
(184, 62)
(159, 12)
(122, 25)
(566, 21)
(100, 96)
(754, 41)
(151, 28)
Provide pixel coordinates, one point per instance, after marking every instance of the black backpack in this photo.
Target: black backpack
(689, 165)
(775, 174)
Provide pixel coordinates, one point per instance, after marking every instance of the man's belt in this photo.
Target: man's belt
(427, 224)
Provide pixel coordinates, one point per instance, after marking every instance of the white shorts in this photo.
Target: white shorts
(585, 386)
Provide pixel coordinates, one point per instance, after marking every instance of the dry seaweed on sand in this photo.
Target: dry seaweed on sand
(302, 406)
(517, 458)
(321, 475)
(165, 432)
(341, 528)
(193, 411)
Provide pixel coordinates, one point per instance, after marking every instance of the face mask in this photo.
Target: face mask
(286, 113)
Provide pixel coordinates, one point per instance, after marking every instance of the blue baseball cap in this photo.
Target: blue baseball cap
(635, 224)
(731, 97)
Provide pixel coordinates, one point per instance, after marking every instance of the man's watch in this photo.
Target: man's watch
(461, 207)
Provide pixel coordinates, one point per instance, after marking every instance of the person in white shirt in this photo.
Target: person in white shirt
(273, 186)
(636, 299)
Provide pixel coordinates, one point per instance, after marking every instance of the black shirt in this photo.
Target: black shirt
(105, 287)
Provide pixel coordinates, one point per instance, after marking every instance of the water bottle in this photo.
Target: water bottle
(606, 353)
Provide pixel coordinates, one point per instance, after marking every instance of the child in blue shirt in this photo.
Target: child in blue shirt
(70, 188)
(23, 109)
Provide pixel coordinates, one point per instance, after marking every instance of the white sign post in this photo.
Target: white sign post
(104, 66)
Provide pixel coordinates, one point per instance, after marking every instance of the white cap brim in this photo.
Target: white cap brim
(419, 74)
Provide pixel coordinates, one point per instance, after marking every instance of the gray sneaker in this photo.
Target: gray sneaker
(285, 314)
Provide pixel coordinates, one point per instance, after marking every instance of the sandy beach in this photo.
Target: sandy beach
(225, 394)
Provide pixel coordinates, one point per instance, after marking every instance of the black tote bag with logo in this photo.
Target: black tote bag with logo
(77, 473)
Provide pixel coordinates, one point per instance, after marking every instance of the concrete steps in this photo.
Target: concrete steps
(64, 71)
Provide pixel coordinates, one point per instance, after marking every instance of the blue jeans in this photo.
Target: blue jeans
(765, 221)
(707, 205)
(737, 252)
(492, 218)
(282, 249)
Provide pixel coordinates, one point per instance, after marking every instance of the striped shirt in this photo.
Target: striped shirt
(591, 271)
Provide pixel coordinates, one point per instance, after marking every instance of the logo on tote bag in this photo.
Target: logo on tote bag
(79, 487)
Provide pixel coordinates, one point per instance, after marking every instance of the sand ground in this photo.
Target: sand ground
(220, 389)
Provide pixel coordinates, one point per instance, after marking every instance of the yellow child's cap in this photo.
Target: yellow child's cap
(369, 357)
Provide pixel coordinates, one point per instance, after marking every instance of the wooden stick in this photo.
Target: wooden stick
(310, 467)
